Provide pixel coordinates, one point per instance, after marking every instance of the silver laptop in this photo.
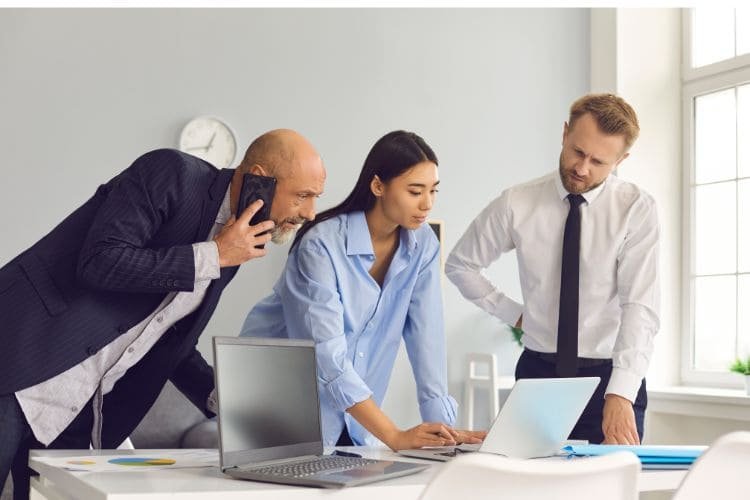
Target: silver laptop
(535, 420)
(269, 418)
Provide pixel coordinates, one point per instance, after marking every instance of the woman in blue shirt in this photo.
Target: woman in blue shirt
(359, 278)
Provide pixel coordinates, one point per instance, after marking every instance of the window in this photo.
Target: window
(716, 94)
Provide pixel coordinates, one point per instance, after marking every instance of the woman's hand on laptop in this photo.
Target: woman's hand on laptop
(427, 434)
(470, 437)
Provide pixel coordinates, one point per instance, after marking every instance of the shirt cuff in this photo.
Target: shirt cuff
(509, 310)
(440, 409)
(624, 383)
(206, 258)
(212, 404)
(348, 389)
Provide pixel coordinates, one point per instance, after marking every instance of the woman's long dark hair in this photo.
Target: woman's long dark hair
(393, 154)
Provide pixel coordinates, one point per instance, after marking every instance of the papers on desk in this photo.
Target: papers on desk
(138, 462)
(651, 457)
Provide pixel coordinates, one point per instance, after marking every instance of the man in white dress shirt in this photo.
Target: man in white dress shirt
(587, 249)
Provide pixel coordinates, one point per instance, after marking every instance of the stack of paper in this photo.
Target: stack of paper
(651, 457)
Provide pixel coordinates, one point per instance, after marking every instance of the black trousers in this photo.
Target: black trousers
(16, 439)
(589, 426)
(344, 438)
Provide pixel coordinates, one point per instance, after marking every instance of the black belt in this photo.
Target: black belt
(551, 357)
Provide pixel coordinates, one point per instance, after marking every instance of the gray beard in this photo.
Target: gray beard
(280, 236)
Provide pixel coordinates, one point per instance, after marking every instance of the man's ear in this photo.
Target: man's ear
(376, 186)
(257, 170)
(565, 131)
(621, 158)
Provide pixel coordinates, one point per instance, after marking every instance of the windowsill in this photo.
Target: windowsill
(731, 404)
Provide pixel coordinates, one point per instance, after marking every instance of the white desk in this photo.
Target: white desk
(55, 483)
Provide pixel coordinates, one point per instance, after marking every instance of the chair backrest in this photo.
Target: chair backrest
(722, 471)
(481, 476)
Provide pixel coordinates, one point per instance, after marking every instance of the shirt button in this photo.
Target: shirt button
(159, 319)
(91, 350)
(361, 354)
(130, 349)
(74, 409)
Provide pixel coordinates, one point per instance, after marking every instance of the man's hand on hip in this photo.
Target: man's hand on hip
(618, 423)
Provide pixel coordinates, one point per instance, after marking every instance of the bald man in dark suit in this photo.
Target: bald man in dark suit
(102, 311)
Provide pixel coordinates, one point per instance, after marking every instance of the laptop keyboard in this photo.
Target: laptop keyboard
(314, 466)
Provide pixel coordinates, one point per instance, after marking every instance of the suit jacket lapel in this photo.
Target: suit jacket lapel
(212, 202)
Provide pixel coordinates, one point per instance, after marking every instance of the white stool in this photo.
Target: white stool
(484, 379)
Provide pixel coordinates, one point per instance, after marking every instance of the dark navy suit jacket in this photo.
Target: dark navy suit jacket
(106, 267)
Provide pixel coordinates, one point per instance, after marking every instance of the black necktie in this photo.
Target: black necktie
(567, 326)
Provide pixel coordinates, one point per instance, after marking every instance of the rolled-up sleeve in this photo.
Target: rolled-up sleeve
(484, 241)
(313, 310)
(424, 336)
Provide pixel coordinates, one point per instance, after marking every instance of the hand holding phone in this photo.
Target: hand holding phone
(256, 187)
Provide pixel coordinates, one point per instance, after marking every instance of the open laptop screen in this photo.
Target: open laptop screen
(268, 397)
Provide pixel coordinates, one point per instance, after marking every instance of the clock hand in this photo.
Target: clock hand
(211, 141)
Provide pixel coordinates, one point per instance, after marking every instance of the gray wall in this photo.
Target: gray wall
(84, 92)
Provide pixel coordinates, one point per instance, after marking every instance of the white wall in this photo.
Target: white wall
(84, 92)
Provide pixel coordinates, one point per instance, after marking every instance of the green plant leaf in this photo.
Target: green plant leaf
(742, 367)
(517, 334)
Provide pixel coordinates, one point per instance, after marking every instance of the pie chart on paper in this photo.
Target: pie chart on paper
(141, 462)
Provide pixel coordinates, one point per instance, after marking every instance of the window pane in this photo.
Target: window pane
(743, 228)
(715, 228)
(743, 130)
(715, 137)
(743, 30)
(713, 35)
(715, 322)
(743, 316)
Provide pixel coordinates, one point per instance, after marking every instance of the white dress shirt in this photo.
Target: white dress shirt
(618, 313)
(50, 406)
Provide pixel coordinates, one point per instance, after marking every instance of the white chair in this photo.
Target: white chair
(722, 471)
(482, 476)
(476, 380)
(482, 378)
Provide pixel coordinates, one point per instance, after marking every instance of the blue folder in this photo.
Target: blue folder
(654, 454)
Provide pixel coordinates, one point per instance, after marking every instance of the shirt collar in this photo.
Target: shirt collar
(359, 242)
(224, 213)
(589, 196)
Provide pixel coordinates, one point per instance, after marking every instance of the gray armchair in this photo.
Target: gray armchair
(174, 422)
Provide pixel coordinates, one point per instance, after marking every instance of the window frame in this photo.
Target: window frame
(699, 81)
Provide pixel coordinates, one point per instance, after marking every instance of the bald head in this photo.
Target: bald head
(300, 177)
(280, 153)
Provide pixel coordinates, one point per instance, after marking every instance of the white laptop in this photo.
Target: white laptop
(535, 420)
(269, 418)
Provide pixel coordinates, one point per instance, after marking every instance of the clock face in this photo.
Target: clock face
(210, 139)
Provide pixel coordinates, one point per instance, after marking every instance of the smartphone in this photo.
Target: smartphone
(255, 187)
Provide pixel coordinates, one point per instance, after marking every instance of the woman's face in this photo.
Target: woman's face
(407, 199)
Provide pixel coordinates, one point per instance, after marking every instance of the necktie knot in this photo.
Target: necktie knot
(575, 200)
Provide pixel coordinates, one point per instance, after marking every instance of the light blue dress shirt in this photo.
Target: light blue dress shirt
(326, 293)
